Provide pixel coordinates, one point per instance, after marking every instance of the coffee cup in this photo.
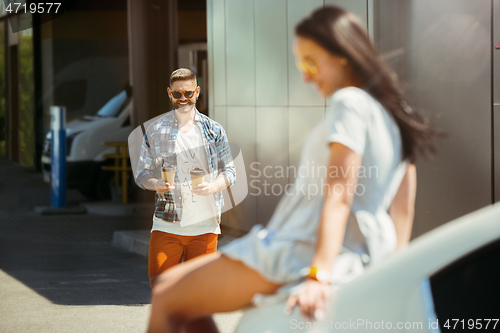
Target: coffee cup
(168, 174)
(197, 176)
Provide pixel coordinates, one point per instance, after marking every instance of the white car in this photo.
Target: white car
(446, 280)
(84, 147)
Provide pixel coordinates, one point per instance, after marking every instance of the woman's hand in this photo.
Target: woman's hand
(312, 300)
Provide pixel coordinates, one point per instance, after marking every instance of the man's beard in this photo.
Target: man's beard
(183, 107)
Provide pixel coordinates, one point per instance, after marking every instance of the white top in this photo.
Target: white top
(199, 214)
(283, 251)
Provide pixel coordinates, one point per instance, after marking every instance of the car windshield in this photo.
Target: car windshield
(114, 106)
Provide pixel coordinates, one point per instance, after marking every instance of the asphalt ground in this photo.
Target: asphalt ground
(60, 273)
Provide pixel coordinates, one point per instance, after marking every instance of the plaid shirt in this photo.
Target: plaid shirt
(158, 147)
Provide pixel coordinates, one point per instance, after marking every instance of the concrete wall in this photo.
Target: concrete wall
(258, 95)
(496, 97)
(449, 76)
(153, 56)
(443, 51)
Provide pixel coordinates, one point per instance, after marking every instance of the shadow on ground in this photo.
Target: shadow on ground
(67, 259)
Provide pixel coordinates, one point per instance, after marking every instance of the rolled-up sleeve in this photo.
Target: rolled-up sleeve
(226, 164)
(146, 160)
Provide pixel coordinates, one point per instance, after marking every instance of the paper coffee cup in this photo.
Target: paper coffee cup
(168, 174)
(197, 176)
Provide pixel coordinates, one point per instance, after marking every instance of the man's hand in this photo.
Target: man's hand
(159, 185)
(312, 300)
(204, 189)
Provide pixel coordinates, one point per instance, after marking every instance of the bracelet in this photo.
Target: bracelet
(323, 276)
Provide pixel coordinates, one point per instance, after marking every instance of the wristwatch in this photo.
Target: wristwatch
(323, 276)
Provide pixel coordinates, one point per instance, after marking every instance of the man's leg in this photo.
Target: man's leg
(197, 245)
(193, 247)
(165, 251)
(202, 286)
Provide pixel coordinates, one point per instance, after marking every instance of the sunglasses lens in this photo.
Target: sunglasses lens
(178, 94)
(307, 66)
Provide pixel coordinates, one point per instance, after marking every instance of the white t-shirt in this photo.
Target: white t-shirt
(283, 251)
(199, 213)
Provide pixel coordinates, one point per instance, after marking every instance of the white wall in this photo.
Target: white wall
(257, 93)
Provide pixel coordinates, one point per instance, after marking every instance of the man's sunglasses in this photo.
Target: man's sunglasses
(187, 94)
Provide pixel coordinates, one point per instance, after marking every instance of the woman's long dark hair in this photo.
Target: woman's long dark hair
(341, 33)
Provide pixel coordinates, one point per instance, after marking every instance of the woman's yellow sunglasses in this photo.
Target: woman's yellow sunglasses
(307, 66)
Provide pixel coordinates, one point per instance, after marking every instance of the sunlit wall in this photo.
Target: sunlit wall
(257, 93)
(443, 51)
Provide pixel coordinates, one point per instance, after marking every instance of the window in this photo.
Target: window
(26, 94)
(114, 106)
(469, 288)
(71, 94)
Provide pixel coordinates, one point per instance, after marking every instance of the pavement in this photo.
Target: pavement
(83, 272)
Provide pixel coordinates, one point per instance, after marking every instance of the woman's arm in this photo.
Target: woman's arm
(338, 194)
(403, 207)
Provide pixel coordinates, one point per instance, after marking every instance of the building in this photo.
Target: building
(444, 52)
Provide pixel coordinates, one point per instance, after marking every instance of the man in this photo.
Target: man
(186, 218)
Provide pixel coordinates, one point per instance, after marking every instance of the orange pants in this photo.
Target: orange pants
(167, 250)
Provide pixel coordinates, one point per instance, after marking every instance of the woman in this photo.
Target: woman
(363, 212)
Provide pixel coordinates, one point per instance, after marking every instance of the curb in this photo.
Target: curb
(45, 210)
(135, 241)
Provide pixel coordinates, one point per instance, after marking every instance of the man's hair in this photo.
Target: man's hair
(182, 74)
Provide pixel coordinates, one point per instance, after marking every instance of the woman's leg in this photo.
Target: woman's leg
(202, 286)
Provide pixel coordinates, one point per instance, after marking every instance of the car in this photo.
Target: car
(84, 149)
(445, 280)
